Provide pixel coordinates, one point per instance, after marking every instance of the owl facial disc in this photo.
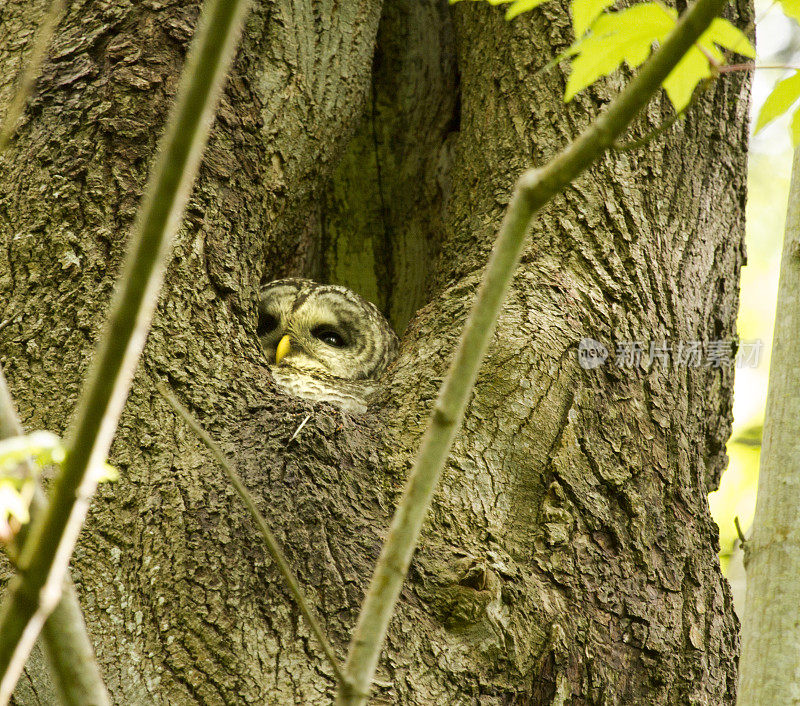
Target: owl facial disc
(326, 342)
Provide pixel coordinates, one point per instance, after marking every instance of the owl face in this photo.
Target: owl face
(323, 330)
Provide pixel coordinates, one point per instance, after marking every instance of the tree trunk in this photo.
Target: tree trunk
(770, 645)
(569, 556)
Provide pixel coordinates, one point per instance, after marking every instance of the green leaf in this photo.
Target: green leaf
(41, 447)
(626, 36)
(586, 69)
(584, 12)
(681, 82)
(107, 474)
(14, 507)
(785, 93)
(796, 129)
(791, 8)
(521, 6)
(16, 485)
(651, 18)
(16, 489)
(722, 32)
(13, 502)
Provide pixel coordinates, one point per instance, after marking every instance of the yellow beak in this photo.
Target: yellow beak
(283, 348)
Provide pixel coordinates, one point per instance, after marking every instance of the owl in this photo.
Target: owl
(324, 341)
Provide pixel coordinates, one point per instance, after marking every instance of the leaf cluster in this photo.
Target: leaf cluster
(22, 459)
(786, 93)
(605, 40)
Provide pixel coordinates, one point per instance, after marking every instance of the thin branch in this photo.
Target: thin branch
(534, 189)
(66, 642)
(71, 655)
(266, 533)
(750, 66)
(739, 533)
(41, 42)
(43, 563)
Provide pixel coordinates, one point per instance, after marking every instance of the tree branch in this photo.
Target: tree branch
(533, 190)
(66, 642)
(44, 559)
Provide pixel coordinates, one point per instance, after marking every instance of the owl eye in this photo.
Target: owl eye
(266, 324)
(328, 336)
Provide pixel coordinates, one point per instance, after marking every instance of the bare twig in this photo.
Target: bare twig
(41, 42)
(534, 189)
(752, 66)
(298, 430)
(739, 533)
(270, 541)
(35, 591)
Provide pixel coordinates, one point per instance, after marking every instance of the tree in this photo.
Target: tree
(769, 654)
(569, 555)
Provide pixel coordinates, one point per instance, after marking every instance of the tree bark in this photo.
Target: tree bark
(569, 556)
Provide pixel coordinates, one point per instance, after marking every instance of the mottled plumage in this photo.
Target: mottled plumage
(326, 342)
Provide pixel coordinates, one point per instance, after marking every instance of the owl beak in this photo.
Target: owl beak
(283, 348)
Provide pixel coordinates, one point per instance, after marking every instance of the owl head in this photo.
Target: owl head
(323, 330)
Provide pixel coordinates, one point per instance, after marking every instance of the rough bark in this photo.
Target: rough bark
(382, 215)
(570, 556)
